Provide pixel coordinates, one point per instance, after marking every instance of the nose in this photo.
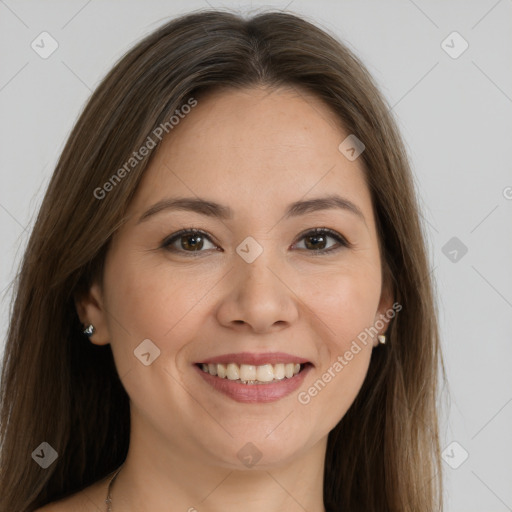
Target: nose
(259, 300)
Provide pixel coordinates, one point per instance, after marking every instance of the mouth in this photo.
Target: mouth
(253, 378)
(250, 374)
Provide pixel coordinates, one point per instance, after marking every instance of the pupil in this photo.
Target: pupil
(316, 238)
(194, 242)
(194, 245)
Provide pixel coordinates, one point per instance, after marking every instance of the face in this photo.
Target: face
(254, 282)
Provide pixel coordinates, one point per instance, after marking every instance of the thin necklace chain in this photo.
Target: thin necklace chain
(108, 500)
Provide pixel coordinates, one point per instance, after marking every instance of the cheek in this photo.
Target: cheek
(146, 302)
(346, 301)
(344, 357)
(154, 301)
(141, 304)
(339, 383)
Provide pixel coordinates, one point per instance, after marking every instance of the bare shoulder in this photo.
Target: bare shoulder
(90, 499)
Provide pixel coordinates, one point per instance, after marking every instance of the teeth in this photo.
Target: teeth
(247, 372)
(221, 370)
(251, 374)
(265, 373)
(279, 371)
(233, 371)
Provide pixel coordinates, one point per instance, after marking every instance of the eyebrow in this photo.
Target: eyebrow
(215, 210)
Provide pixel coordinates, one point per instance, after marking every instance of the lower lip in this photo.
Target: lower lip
(255, 393)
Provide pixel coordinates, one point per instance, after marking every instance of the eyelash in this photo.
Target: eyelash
(167, 242)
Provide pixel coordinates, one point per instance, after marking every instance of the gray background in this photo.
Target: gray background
(454, 114)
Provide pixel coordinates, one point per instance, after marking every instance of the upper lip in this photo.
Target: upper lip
(254, 359)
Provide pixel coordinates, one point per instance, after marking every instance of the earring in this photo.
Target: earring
(89, 330)
(382, 338)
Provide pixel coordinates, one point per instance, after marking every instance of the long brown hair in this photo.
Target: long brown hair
(61, 389)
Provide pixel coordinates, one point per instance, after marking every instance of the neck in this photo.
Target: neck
(148, 481)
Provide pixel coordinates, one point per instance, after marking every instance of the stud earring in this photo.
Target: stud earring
(89, 330)
(382, 338)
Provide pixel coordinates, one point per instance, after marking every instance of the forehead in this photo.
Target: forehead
(255, 148)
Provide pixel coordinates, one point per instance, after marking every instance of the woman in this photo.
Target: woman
(226, 298)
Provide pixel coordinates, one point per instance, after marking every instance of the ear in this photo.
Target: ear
(90, 309)
(382, 319)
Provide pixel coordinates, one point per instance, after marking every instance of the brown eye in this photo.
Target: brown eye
(189, 240)
(192, 241)
(316, 240)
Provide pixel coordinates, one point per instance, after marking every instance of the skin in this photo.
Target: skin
(255, 150)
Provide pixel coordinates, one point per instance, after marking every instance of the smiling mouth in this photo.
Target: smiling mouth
(254, 374)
